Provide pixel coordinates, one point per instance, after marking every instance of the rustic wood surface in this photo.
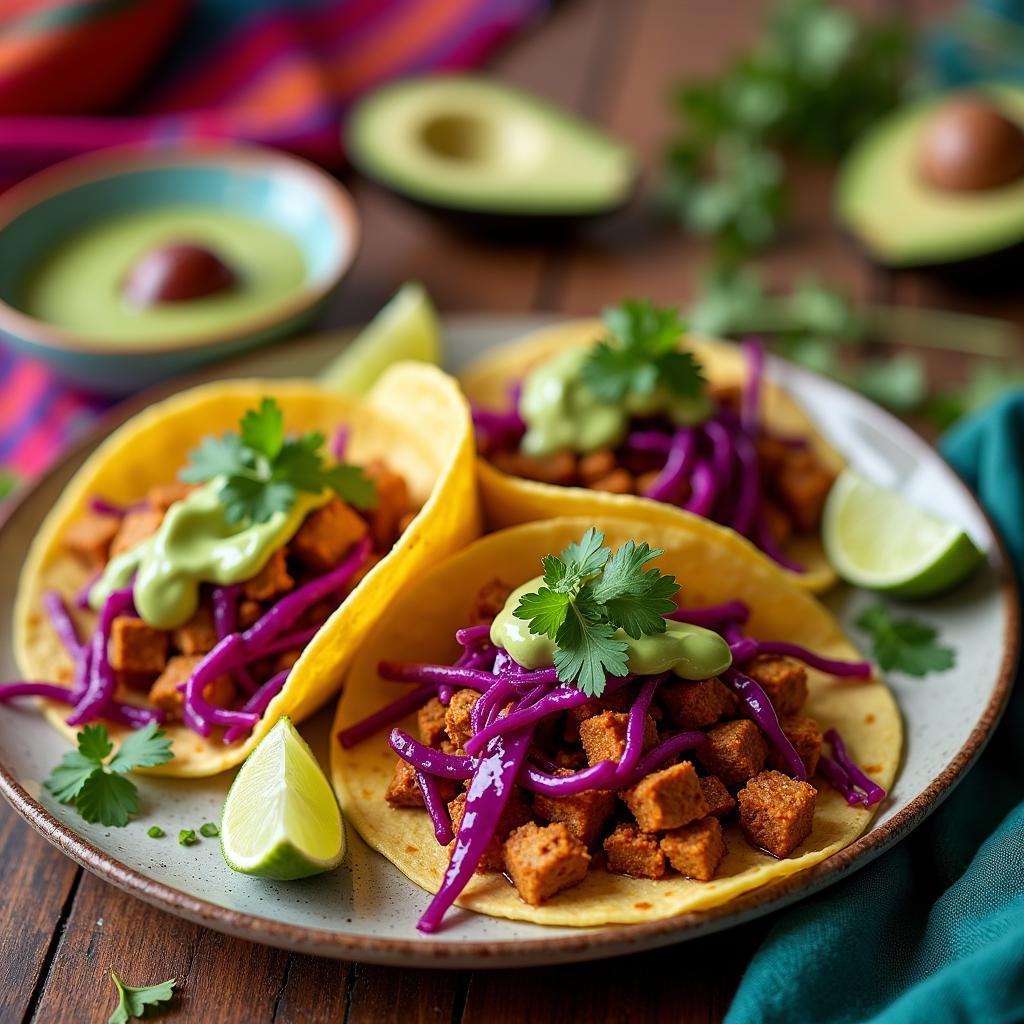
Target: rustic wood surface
(61, 930)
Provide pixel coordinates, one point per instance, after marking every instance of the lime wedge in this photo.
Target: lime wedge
(876, 539)
(406, 328)
(281, 819)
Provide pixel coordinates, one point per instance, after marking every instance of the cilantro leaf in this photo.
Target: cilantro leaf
(583, 558)
(635, 600)
(65, 782)
(98, 788)
(641, 353)
(145, 748)
(216, 456)
(263, 471)
(133, 1002)
(245, 498)
(590, 594)
(352, 485)
(262, 429)
(905, 645)
(545, 611)
(107, 798)
(94, 743)
(586, 650)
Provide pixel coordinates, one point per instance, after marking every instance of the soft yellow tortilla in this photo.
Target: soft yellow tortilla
(508, 500)
(712, 565)
(415, 419)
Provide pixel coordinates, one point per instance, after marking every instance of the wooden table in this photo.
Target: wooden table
(61, 930)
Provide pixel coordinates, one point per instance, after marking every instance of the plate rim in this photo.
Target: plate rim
(609, 940)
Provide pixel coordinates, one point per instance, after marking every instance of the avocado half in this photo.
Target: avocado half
(900, 219)
(467, 143)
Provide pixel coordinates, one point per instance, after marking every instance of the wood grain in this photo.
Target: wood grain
(38, 886)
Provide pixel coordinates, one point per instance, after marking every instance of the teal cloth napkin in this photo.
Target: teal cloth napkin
(934, 929)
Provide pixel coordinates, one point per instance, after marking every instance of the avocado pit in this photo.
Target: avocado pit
(177, 272)
(969, 145)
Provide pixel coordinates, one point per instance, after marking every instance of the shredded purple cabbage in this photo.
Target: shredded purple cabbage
(124, 714)
(258, 703)
(339, 443)
(82, 597)
(486, 798)
(99, 690)
(751, 411)
(669, 482)
(55, 608)
(835, 775)
(435, 808)
(758, 708)
(842, 669)
(712, 616)
(872, 791)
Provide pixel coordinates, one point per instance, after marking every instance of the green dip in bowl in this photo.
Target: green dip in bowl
(72, 237)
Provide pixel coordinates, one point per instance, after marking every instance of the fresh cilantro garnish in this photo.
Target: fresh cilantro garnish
(187, 837)
(155, 832)
(209, 830)
(133, 1002)
(589, 593)
(905, 644)
(263, 470)
(98, 787)
(641, 354)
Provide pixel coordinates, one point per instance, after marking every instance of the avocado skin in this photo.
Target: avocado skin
(993, 273)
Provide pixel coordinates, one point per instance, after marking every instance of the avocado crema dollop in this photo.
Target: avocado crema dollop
(561, 413)
(691, 652)
(196, 544)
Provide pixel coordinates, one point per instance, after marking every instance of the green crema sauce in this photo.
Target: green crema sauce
(562, 413)
(195, 544)
(691, 652)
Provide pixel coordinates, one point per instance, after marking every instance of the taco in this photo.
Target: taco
(633, 416)
(637, 733)
(214, 564)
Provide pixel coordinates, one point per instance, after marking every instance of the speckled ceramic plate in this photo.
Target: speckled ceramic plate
(367, 910)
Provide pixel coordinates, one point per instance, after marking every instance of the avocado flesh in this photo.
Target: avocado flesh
(902, 220)
(467, 143)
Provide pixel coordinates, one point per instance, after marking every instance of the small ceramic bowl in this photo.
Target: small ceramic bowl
(285, 193)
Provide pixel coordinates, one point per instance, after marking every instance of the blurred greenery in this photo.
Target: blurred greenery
(813, 80)
(818, 326)
(7, 483)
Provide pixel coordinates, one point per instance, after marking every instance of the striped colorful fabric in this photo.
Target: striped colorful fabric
(78, 75)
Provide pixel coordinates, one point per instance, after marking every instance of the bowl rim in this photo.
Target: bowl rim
(115, 161)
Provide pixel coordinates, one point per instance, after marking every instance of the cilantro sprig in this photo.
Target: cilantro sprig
(97, 786)
(905, 645)
(264, 470)
(589, 593)
(133, 1002)
(814, 79)
(641, 353)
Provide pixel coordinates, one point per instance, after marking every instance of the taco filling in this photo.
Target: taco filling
(206, 592)
(591, 725)
(632, 413)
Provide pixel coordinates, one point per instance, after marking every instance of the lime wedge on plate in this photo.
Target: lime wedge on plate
(281, 819)
(406, 328)
(877, 540)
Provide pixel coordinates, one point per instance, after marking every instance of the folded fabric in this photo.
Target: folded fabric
(934, 929)
(277, 72)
